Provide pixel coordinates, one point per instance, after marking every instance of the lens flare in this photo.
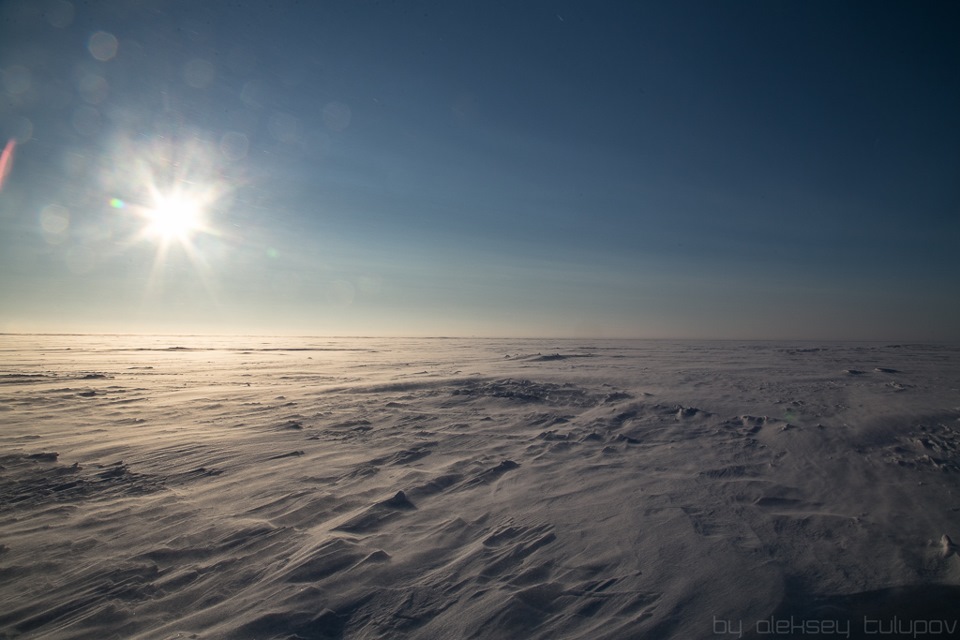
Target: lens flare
(6, 160)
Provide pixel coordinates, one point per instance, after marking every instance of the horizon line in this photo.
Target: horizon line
(464, 337)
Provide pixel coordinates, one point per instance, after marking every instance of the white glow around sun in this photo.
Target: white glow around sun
(168, 194)
(174, 217)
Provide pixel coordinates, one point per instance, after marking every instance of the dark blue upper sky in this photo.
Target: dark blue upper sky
(712, 169)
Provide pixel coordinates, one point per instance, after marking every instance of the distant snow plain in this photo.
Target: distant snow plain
(259, 488)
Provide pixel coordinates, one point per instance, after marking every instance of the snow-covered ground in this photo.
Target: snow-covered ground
(197, 487)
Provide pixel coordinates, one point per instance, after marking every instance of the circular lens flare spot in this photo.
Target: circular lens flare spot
(174, 217)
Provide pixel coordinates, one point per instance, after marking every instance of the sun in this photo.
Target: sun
(174, 217)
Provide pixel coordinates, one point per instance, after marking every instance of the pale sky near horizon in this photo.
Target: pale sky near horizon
(622, 169)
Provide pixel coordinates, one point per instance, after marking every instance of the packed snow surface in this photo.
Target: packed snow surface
(258, 488)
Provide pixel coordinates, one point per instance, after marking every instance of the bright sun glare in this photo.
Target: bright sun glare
(174, 217)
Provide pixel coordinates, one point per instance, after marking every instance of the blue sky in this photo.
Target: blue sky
(655, 169)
